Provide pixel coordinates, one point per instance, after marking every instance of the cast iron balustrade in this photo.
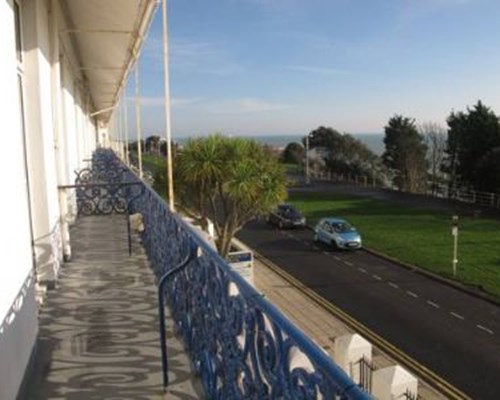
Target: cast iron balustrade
(240, 344)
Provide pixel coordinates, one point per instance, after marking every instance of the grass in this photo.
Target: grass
(293, 169)
(153, 162)
(420, 237)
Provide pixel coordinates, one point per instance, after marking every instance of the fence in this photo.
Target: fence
(444, 191)
(366, 369)
(239, 343)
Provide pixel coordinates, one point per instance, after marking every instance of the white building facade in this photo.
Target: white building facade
(63, 67)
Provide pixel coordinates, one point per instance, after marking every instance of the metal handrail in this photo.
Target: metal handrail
(161, 308)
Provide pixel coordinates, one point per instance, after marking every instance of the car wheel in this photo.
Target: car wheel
(335, 246)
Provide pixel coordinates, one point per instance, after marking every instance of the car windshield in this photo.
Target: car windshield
(343, 227)
(289, 212)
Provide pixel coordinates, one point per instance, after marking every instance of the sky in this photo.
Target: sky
(271, 67)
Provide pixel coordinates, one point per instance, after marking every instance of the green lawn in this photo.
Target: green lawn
(417, 236)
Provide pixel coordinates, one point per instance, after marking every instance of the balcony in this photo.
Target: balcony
(220, 337)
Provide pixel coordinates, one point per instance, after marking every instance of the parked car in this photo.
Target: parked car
(286, 216)
(338, 233)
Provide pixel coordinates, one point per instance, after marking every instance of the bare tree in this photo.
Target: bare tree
(435, 138)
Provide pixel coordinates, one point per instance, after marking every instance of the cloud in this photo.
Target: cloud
(190, 55)
(244, 105)
(177, 102)
(317, 70)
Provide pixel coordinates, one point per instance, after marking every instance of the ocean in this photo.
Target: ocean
(374, 141)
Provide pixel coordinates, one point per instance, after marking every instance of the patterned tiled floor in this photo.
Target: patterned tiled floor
(98, 334)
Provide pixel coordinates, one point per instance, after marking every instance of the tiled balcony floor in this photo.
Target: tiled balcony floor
(98, 334)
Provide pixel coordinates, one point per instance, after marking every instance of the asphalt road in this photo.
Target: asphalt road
(448, 331)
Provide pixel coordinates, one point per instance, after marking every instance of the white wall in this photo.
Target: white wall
(58, 136)
(40, 141)
(15, 236)
(18, 322)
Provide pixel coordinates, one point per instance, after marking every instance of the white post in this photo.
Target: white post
(170, 175)
(307, 160)
(138, 118)
(120, 130)
(125, 118)
(454, 232)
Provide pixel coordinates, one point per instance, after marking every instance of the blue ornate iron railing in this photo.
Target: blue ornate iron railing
(102, 189)
(240, 344)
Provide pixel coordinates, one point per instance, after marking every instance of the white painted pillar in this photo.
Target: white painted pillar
(41, 157)
(392, 383)
(59, 142)
(349, 350)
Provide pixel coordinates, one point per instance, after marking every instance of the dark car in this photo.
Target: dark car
(286, 216)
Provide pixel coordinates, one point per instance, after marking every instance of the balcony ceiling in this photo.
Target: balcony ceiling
(107, 34)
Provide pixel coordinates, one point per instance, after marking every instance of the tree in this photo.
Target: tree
(152, 144)
(472, 135)
(293, 153)
(435, 139)
(323, 137)
(488, 171)
(230, 181)
(405, 153)
(346, 154)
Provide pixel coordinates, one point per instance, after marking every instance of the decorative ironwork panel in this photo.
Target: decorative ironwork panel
(239, 343)
(102, 189)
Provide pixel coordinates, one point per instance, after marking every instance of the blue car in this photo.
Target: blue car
(338, 233)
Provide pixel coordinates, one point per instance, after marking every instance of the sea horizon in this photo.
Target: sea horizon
(374, 140)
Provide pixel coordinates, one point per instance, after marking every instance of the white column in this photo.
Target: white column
(138, 117)
(170, 175)
(59, 143)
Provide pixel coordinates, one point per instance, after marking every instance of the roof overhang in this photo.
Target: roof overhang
(107, 36)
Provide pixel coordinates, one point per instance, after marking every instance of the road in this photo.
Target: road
(446, 330)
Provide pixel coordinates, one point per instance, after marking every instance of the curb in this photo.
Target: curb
(457, 285)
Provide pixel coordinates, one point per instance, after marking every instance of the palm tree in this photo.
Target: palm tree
(230, 181)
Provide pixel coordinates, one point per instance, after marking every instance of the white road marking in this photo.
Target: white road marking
(337, 258)
(431, 303)
(412, 294)
(485, 329)
(348, 263)
(362, 270)
(326, 253)
(378, 278)
(457, 315)
(392, 284)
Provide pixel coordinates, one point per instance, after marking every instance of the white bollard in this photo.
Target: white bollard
(349, 350)
(393, 382)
